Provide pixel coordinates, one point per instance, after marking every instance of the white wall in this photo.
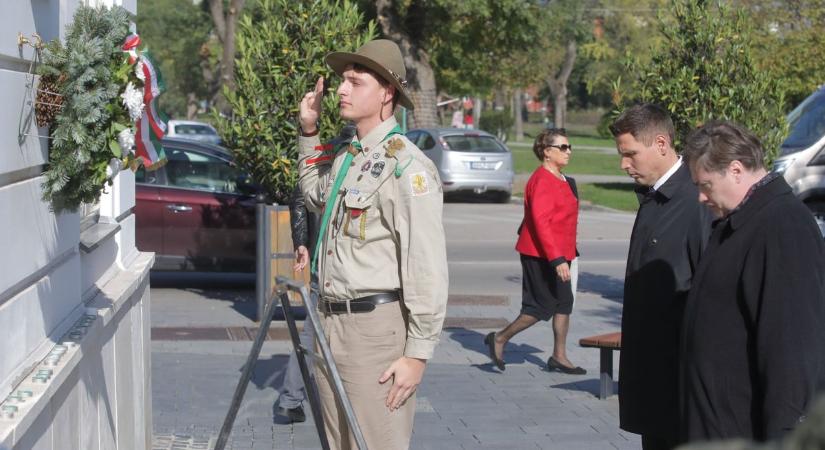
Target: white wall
(99, 392)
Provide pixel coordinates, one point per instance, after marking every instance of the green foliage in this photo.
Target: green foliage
(95, 71)
(496, 122)
(175, 31)
(281, 46)
(465, 41)
(480, 44)
(789, 43)
(706, 70)
(628, 29)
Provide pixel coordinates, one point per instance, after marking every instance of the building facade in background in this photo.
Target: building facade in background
(74, 290)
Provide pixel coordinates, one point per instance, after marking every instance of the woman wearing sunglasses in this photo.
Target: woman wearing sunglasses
(547, 245)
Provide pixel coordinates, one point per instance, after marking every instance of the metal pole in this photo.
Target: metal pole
(301, 351)
(240, 389)
(326, 353)
(261, 257)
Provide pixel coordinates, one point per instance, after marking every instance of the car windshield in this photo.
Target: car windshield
(193, 129)
(806, 123)
(474, 143)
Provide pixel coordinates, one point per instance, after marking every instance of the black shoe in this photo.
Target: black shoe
(552, 365)
(490, 340)
(294, 415)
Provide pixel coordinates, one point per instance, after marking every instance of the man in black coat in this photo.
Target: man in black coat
(753, 343)
(668, 238)
(304, 225)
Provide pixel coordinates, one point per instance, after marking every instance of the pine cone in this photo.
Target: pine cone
(48, 102)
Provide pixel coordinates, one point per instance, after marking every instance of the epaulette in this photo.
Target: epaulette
(393, 146)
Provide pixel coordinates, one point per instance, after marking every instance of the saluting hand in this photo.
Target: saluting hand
(310, 109)
(407, 374)
(563, 272)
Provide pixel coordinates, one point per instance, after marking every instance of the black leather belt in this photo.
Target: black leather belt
(360, 304)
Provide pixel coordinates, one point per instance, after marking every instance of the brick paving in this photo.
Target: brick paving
(463, 403)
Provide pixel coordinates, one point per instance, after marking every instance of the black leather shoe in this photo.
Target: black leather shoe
(490, 340)
(295, 414)
(552, 365)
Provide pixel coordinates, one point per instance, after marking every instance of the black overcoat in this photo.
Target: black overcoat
(669, 235)
(753, 343)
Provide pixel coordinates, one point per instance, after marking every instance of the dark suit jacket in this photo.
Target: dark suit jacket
(304, 223)
(669, 235)
(753, 346)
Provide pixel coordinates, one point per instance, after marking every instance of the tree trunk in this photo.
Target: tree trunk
(191, 106)
(226, 23)
(517, 111)
(500, 96)
(558, 85)
(420, 75)
(478, 106)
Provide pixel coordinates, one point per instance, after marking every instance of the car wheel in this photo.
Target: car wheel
(818, 210)
(504, 197)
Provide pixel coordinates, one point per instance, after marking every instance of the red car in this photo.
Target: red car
(197, 212)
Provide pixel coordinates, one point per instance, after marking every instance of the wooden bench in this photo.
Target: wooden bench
(606, 343)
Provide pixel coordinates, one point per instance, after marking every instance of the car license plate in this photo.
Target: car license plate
(483, 165)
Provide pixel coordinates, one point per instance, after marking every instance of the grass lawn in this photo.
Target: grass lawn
(613, 195)
(591, 162)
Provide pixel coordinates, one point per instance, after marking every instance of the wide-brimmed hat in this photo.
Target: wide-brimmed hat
(381, 56)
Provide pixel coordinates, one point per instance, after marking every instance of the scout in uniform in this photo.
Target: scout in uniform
(381, 258)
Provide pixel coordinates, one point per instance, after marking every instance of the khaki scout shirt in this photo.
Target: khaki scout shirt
(385, 231)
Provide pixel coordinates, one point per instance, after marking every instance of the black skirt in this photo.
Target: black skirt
(543, 294)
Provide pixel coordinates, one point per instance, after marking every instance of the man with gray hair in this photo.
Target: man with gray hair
(753, 344)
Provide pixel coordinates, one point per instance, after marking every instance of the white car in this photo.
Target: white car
(196, 131)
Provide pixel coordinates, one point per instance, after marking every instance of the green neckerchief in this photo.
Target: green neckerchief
(336, 186)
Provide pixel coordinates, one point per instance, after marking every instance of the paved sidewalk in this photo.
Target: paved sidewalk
(463, 403)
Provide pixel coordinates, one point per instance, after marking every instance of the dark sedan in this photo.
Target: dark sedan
(197, 212)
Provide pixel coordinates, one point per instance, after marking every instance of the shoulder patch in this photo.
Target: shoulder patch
(419, 184)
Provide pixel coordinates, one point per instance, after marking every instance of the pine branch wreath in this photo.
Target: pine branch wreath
(93, 70)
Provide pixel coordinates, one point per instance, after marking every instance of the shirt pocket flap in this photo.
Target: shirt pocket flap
(358, 201)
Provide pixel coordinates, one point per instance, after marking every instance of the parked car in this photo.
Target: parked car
(191, 130)
(802, 155)
(197, 212)
(468, 161)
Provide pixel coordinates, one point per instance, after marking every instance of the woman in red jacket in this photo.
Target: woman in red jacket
(547, 244)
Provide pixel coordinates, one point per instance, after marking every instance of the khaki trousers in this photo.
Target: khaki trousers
(364, 345)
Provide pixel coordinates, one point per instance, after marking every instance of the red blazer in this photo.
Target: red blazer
(551, 214)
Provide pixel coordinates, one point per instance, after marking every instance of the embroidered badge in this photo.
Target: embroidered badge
(377, 168)
(375, 156)
(366, 166)
(419, 184)
(394, 146)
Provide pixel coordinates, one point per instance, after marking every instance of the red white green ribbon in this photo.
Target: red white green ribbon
(130, 46)
(151, 127)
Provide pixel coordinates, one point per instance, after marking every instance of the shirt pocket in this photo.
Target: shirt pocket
(360, 213)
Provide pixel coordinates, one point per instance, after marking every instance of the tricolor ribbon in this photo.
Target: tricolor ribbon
(151, 127)
(130, 46)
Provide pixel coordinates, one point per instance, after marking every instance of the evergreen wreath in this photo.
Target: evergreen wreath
(93, 125)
